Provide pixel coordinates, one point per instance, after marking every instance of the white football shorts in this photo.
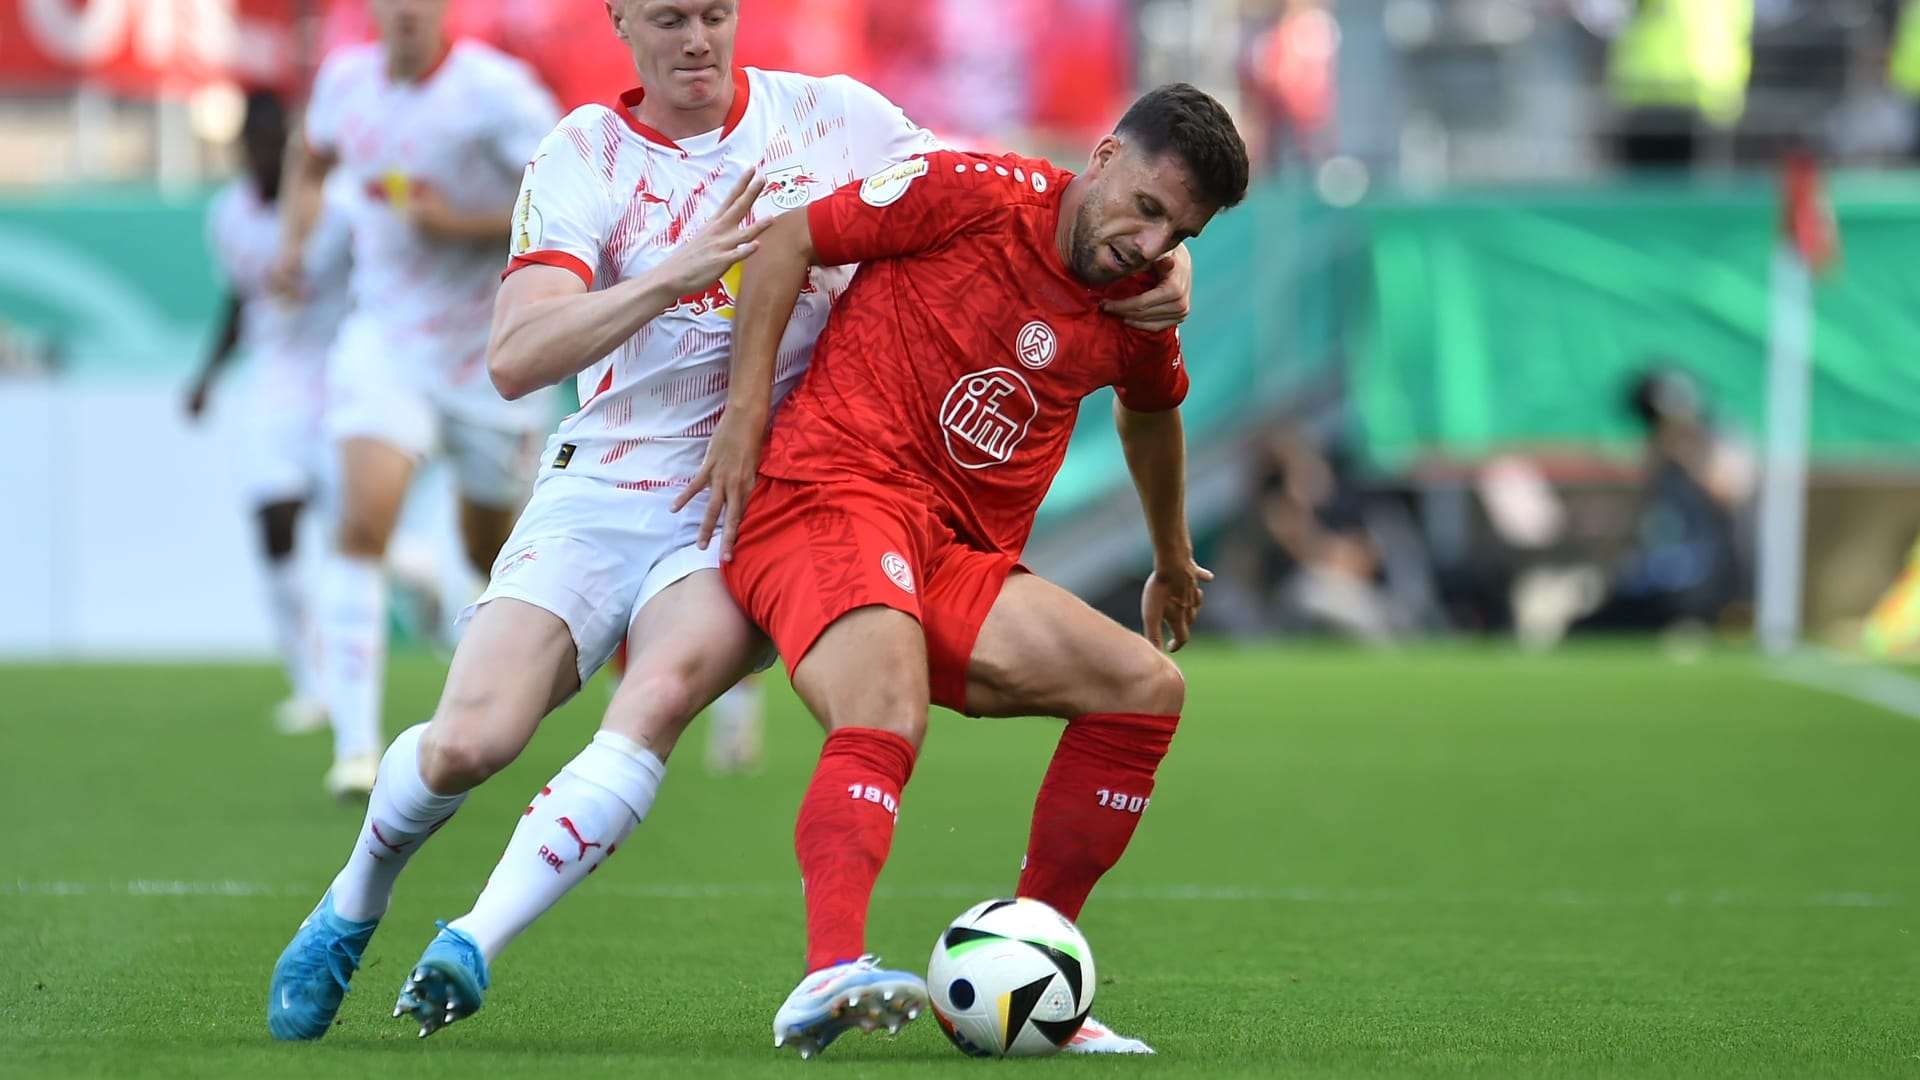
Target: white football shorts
(399, 388)
(594, 554)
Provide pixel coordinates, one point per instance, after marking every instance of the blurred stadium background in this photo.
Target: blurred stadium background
(1505, 347)
(1478, 222)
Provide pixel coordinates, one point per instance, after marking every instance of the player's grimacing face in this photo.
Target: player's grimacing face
(1137, 208)
(409, 25)
(682, 49)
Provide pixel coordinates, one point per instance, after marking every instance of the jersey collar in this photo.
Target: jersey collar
(630, 101)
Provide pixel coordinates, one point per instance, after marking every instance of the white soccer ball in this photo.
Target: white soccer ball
(1011, 978)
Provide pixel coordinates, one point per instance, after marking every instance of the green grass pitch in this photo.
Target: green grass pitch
(1438, 864)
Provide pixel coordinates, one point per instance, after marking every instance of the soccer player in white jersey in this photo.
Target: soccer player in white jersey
(627, 236)
(285, 342)
(433, 135)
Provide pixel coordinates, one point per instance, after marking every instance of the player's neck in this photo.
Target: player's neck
(413, 67)
(654, 112)
(1070, 199)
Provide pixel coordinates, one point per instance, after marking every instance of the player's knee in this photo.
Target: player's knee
(652, 705)
(1154, 683)
(364, 535)
(462, 748)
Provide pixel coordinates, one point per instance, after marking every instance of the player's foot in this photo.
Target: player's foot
(300, 716)
(312, 974)
(859, 995)
(352, 776)
(1095, 1037)
(448, 983)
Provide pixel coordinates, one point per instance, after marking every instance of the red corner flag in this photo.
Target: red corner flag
(1807, 216)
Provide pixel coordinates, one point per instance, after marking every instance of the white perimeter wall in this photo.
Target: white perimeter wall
(123, 533)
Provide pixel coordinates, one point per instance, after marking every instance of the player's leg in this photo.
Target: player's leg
(288, 610)
(734, 733)
(689, 642)
(282, 449)
(381, 426)
(514, 665)
(828, 571)
(352, 606)
(1041, 651)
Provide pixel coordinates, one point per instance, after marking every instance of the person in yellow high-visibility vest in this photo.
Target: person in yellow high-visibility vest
(1679, 64)
(1903, 62)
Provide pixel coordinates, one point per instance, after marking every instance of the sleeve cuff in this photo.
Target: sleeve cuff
(824, 236)
(561, 259)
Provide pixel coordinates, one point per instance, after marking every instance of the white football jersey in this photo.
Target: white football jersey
(609, 199)
(465, 129)
(244, 235)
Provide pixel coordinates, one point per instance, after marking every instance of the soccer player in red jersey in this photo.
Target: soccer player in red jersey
(881, 542)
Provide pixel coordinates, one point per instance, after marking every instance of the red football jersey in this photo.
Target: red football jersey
(957, 360)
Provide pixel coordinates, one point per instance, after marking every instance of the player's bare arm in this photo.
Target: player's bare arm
(222, 353)
(300, 202)
(1168, 303)
(435, 217)
(547, 327)
(1156, 450)
(770, 284)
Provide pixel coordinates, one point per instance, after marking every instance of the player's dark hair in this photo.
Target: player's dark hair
(1182, 119)
(264, 108)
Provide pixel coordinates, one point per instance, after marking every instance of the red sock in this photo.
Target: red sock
(845, 828)
(1090, 802)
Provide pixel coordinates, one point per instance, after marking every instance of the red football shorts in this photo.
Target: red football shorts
(809, 552)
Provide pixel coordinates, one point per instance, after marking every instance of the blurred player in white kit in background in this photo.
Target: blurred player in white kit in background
(285, 342)
(433, 135)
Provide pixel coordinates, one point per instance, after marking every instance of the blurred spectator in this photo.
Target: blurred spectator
(1287, 77)
(1687, 557)
(1678, 64)
(1903, 62)
(1336, 559)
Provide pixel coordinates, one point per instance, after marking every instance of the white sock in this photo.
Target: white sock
(733, 736)
(571, 827)
(401, 813)
(353, 637)
(738, 708)
(287, 607)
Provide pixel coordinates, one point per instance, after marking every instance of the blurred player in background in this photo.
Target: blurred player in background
(631, 222)
(286, 344)
(433, 135)
(900, 483)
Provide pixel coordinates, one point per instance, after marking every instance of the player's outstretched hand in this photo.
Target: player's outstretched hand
(1170, 602)
(703, 257)
(1167, 304)
(733, 460)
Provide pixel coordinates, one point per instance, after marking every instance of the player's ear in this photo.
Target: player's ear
(618, 19)
(1104, 151)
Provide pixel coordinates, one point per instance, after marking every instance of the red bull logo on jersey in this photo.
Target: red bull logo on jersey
(715, 299)
(986, 416)
(788, 188)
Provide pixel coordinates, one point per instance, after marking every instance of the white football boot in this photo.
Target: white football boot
(1095, 1037)
(859, 994)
